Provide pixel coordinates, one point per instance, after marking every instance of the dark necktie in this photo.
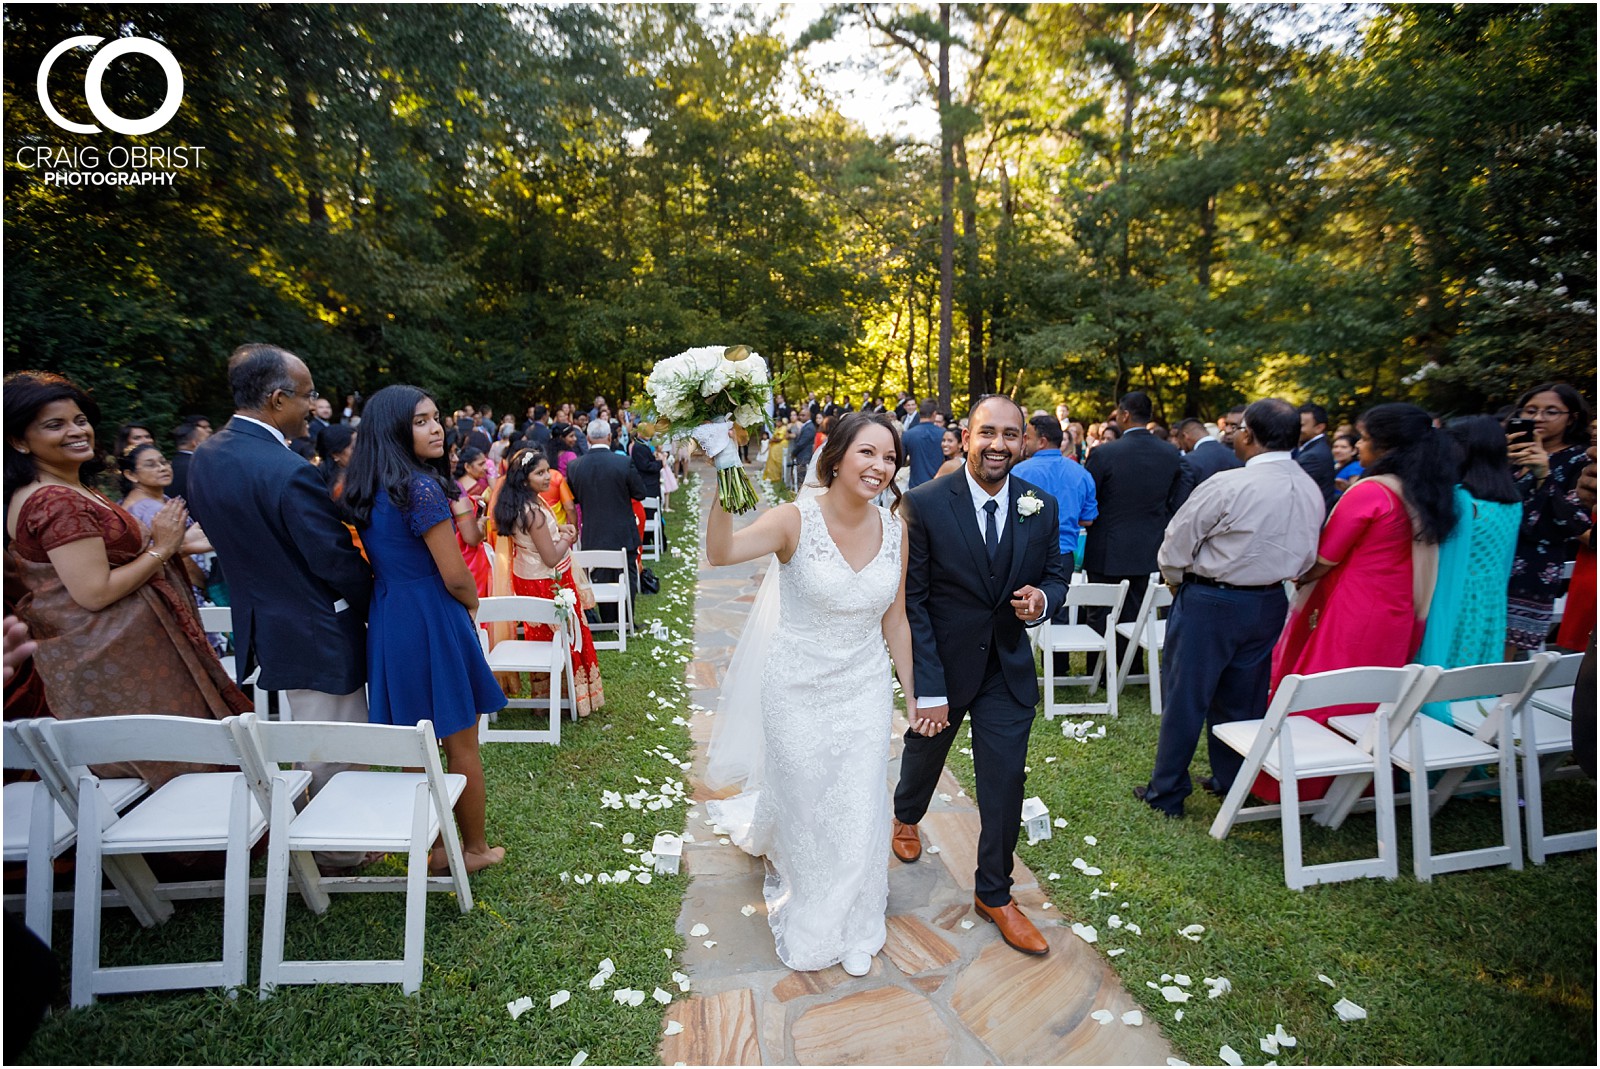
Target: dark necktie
(991, 529)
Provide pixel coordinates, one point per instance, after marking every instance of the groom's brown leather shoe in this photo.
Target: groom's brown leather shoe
(906, 844)
(1017, 930)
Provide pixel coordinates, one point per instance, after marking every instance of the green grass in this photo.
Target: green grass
(529, 933)
(1483, 967)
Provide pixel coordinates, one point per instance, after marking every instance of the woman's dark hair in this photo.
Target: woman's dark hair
(128, 462)
(1353, 440)
(1577, 432)
(1483, 469)
(511, 508)
(26, 395)
(1422, 458)
(465, 457)
(559, 432)
(384, 462)
(1110, 432)
(844, 431)
(332, 439)
(125, 432)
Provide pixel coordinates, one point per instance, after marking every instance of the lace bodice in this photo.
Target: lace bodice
(824, 599)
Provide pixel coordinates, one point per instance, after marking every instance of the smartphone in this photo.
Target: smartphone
(1517, 425)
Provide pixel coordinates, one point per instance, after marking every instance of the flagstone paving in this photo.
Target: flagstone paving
(944, 991)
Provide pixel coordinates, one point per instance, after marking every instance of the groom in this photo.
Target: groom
(984, 564)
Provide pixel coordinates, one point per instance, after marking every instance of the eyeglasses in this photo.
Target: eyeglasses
(1548, 413)
(311, 395)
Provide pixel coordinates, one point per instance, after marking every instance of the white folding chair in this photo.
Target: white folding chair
(219, 618)
(198, 811)
(1075, 637)
(612, 593)
(37, 831)
(652, 528)
(551, 657)
(1419, 745)
(1147, 632)
(395, 812)
(1292, 748)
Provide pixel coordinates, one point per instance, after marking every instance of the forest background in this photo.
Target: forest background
(1211, 202)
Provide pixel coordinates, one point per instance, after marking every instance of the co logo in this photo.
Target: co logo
(95, 97)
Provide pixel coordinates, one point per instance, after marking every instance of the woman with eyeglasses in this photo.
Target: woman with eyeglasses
(1547, 462)
(110, 608)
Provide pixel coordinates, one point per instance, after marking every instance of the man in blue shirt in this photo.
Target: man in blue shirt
(924, 444)
(1072, 487)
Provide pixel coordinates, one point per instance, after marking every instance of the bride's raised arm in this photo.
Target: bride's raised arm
(897, 631)
(774, 531)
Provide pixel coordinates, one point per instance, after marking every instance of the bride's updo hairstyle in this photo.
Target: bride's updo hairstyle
(845, 430)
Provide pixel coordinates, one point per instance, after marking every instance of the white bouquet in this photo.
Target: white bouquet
(713, 395)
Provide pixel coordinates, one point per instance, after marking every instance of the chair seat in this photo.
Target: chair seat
(1317, 751)
(369, 810)
(1443, 746)
(1557, 700)
(1154, 637)
(1554, 732)
(20, 798)
(523, 655)
(1070, 638)
(187, 813)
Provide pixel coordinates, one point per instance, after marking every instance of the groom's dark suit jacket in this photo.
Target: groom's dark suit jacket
(958, 606)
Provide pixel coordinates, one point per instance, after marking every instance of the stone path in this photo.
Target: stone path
(944, 991)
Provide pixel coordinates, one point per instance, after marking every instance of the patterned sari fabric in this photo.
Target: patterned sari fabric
(142, 654)
(1552, 520)
(541, 581)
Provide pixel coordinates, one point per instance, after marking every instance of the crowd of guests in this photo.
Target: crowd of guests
(352, 548)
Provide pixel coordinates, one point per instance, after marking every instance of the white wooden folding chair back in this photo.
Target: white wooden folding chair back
(37, 831)
(612, 593)
(1291, 748)
(193, 812)
(652, 528)
(1542, 739)
(550, 657)
(392, 812)
(1148, 632)
(1078, 637)
(219, 618)
(1420, 745)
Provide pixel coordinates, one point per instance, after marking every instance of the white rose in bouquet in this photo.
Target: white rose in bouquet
(709, 392)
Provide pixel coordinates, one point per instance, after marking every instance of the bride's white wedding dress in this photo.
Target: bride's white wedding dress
(816, 803)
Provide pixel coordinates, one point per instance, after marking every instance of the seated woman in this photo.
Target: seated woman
(542, 564)
(471, 472)
(108, 604)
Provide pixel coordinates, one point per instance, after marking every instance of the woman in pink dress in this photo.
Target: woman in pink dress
(1365, 601)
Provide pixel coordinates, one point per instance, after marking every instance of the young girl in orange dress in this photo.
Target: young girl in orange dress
(541, 563)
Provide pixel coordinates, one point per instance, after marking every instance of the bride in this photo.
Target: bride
(806, 704)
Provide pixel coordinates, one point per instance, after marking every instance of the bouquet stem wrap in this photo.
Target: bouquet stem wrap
(734, 490)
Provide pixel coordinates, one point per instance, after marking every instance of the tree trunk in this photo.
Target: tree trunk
(947, 225)
(1206, 250)
(911, 337)
(1130, 99)
(979, 380)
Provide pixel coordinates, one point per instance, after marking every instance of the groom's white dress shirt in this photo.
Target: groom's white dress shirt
(980, 497)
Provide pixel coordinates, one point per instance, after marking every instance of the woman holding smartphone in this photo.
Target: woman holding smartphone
(423, 657)
(1545, 439)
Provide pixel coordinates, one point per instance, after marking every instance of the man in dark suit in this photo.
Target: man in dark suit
(983, 564)
(298, 587)
(1138, 480)
(1203, 456)
(801, 447)
(605, 484)
(186, 437)
(1314, 454)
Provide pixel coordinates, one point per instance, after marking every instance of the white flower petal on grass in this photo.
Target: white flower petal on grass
(1114, 920)
(1118, 950)
(1054, 876)
(1219, 986)
(560, 998)
(1085, 932)
(1269, 1045)
(679, 978)
(1132, 927)
(747, 910)
(1166, 978)
(672, 1029)
(661, 996)
(1091, 840)
(1229, 1055)
(1349, 1011)
(643, 877)
(698, 930)
(1326, 979)
(579, 1058)
(519, 1007)
(1173, 993)
(1093, 870)
(1103, 1016)
(1182, 979)
(1193, 932)
(1060, 822)
(1133, 1018)
(1079, 863)
(1284, 1038)
(1177, 1015)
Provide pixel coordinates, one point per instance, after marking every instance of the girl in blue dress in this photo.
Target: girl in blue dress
(423, 657)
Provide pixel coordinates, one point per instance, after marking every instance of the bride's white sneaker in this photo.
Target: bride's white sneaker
(857, 963)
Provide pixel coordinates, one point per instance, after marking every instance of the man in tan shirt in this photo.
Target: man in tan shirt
(1228, 551)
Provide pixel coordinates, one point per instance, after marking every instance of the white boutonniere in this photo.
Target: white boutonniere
(1027, 505)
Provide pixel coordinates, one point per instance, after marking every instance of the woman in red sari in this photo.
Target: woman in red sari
(541, 564)
(472, 475)
(1365, 601)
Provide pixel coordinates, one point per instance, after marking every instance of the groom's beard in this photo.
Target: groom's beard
(986, 467)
